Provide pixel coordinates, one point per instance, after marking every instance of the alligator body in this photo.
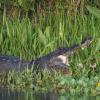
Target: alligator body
(57, 59)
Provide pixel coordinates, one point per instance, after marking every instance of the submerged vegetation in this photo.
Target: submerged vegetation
(57, 25)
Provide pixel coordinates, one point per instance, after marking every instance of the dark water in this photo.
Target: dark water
(6, 94)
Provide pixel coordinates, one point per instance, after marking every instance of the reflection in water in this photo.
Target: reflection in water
(29, 95)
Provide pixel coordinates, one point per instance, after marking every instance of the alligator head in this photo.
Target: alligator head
(56, 60)
(58, 63)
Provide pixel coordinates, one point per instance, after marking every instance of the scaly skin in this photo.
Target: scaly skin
(57, 59)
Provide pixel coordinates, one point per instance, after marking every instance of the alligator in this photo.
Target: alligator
(56, 60)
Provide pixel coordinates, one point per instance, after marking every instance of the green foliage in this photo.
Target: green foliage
(47, 31)
(24, 4)
(51, 81)
(94, 11)
(70, 7)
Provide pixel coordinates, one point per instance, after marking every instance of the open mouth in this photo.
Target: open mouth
(65, 61)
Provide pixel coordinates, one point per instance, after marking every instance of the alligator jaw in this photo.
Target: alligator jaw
(60, 62)
(64, 59)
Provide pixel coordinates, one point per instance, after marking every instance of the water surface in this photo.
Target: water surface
(6, 94)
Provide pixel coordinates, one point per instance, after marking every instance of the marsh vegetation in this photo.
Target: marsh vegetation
(33, 29)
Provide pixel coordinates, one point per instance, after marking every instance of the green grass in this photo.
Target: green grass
(50, 82)
(30, 40)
